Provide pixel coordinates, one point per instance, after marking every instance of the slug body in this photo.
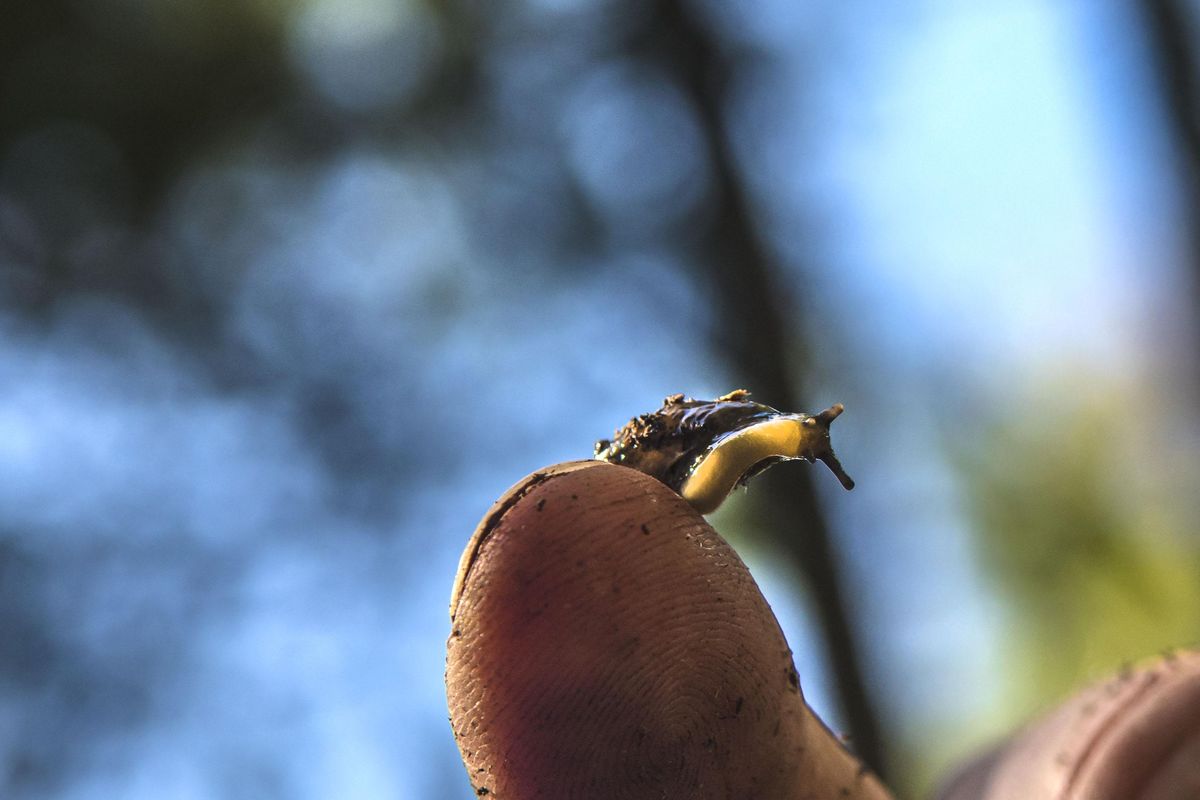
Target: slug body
(737, 455)
(703, 449)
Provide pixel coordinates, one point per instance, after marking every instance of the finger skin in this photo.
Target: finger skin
(607, 643)
(1135, 737)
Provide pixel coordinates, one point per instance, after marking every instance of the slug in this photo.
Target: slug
(703, 449)
(608, 644)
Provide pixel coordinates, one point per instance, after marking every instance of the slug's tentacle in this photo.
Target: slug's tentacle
(703, 449)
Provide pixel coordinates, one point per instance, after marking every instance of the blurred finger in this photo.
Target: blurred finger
(1135, 737)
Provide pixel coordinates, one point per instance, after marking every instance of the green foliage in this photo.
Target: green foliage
(1092, 558)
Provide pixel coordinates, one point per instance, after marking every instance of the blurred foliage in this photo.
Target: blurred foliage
(1097, 559)
(162, 80)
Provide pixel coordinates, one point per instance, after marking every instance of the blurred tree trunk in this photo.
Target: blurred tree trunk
(757, 346)
(1170, 26)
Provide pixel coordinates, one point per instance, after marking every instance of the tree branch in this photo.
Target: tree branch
(756, 344)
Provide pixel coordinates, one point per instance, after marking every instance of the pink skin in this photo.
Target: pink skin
(607, 644)
(1135, 737)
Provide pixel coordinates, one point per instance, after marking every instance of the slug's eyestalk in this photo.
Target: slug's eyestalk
(704, 449)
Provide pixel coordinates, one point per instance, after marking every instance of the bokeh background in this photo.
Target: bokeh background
(291, 290)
